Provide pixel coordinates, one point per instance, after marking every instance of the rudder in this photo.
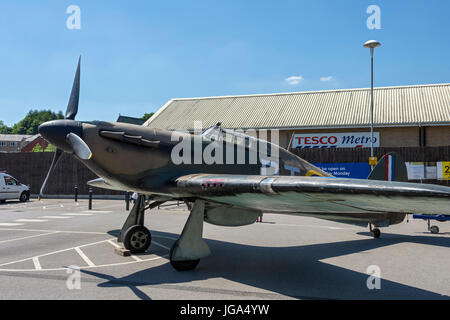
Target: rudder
(391, 167)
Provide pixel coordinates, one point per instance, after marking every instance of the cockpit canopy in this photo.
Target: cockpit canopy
(248, 139)
(240, 137)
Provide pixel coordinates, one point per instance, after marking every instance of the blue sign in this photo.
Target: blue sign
(356, 170)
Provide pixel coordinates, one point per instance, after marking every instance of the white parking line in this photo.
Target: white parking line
(37, 264)
(77, 214)
(161, 245)
(90, 263)
(55, 217)
(136, 258)
(84, 257)
(30, 220)
(54, 252)
(153, 241)
(10, 224)
(99, 266)
(23, 238)
(113, 243)
(62, 231)
(118, 246)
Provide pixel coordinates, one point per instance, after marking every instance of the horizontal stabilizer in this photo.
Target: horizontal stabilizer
(391, 167)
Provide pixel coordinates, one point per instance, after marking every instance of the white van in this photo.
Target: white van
(11, 188)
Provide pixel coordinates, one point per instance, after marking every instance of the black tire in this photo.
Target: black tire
(184, 265)
(137, 239)
(24, 196)
(434, 229)
(2, 201)
(376, 233)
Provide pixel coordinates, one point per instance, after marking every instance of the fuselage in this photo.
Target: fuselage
(146, 160)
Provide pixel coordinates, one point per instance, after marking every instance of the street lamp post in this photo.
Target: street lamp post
(372, 44)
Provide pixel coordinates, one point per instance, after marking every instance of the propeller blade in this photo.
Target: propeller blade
(56, 157)
(72, 107)
(80, 148)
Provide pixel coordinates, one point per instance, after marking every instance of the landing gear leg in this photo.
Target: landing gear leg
(134, 235)
(187, 251)
(375, 232)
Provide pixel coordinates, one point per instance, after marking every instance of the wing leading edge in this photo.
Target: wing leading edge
(300, 194)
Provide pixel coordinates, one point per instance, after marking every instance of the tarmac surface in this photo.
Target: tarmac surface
(43, 243)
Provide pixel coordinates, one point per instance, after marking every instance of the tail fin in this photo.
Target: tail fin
(390, 168)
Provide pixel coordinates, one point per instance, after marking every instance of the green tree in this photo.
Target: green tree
(37, 148)
(34, 118)
(146, 116)
(50, 148)
(4, 129)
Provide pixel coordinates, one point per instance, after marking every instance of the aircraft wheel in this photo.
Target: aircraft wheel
(182, 265)
(137, 239)
(434, 229)
(376, 233)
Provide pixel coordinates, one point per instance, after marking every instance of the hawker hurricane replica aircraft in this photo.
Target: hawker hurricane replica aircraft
(135, 158)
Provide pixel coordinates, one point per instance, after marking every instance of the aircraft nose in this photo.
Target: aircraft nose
(56, 132)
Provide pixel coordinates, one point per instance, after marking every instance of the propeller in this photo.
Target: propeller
(72, 106)
(56, 157)
(79, 147)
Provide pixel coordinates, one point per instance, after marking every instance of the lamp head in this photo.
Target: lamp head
(372, 44)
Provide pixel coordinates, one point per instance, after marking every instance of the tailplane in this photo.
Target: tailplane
(390, 168)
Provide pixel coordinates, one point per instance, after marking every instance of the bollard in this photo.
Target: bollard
(76, 193)
(127, 201)
(90, 198)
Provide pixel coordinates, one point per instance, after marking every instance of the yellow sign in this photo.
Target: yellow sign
(446, 170)
(373, 161)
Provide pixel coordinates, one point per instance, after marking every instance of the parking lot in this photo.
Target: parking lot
(43, 242)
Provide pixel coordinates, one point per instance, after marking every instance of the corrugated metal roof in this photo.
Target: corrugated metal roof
(14, 137)
(393, 106)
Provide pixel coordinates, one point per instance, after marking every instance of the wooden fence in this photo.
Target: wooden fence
(30, 168)
(409, 154)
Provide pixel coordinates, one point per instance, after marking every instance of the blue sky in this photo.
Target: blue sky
(136, 55)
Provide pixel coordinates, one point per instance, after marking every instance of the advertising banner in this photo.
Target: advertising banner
(356, 170)
(335, 140)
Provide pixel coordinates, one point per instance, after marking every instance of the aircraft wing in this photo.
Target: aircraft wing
(302, 194)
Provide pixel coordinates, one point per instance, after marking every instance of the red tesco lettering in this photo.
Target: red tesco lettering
(316, 140)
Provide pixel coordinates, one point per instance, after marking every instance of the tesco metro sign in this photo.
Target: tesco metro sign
(335, 140)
